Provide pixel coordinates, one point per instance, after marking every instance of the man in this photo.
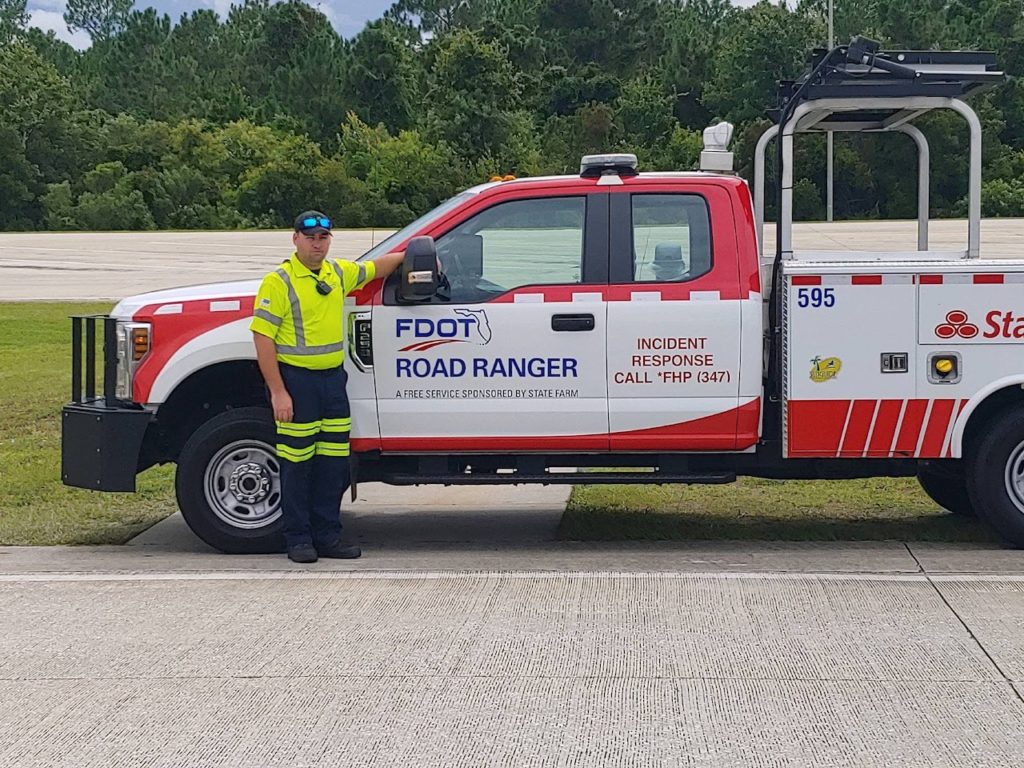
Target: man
(299, 333)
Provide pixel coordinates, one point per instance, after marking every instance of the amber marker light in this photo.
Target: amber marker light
(140, 343)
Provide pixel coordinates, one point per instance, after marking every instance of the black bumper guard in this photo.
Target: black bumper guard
(101, 436)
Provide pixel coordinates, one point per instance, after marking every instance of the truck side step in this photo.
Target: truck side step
(560, 478)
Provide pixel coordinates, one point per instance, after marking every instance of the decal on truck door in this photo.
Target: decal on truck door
(469, 327)
(516, 354)
(672, 360)
(675, 335)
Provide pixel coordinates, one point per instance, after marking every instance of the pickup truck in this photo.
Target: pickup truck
(630, 321)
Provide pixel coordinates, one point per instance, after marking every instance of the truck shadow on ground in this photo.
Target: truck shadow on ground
(525, 528)
(583, 524)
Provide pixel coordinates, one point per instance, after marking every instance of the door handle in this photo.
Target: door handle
(572, 322)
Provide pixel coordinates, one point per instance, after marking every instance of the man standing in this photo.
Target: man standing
(299, 333)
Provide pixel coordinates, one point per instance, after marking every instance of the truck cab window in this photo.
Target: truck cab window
(521, 242)
(671, 238)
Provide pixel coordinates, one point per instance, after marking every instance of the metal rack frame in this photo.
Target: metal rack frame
(850, 92)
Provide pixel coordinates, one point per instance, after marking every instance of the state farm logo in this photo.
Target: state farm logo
(999, 324)
(956, 325)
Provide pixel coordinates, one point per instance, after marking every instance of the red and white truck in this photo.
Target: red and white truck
(612, 319)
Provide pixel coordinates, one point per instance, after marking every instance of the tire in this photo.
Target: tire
(228, 483)
(948, 490)
(995, 475)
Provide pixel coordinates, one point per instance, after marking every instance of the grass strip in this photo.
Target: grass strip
(35, 381)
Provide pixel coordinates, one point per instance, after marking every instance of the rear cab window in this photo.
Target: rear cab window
(671, 237)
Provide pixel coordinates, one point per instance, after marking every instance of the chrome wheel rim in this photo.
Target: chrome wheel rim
(242, 484)
(1015, 477)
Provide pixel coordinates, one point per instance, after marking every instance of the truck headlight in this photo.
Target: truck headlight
(133, 342)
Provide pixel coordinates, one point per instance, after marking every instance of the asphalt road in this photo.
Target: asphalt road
(468, 636)
(65, 266)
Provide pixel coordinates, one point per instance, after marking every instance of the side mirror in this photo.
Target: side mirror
(418, 276)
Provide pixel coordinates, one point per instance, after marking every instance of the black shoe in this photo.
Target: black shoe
(303, 554)
(340, 551)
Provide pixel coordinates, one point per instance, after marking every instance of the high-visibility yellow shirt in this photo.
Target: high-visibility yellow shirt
(308, 327)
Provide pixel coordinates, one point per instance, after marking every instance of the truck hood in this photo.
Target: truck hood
(127, 307)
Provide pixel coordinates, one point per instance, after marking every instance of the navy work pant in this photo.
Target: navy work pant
(313, 449)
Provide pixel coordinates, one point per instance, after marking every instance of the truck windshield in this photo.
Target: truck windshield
(409, 229)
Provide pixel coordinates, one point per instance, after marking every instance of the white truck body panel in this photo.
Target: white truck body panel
(854, 313)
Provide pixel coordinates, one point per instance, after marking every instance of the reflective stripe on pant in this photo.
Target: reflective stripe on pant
(314, 449)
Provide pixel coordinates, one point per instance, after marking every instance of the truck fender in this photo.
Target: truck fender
(231, 341)
(956, 443)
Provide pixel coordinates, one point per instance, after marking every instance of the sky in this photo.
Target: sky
(347, 16)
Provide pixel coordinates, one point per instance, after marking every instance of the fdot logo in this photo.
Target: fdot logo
(956, 325)
(469, 327)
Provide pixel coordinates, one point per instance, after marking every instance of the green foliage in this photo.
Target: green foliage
(204, 122)
(102, 19)
(435, 17)
(757, 49)
(1003, 197)
(380, 79)
(13, 20)
(32, 92)
(19, 183)
(110, 201)
(471, 96)
(644, 113)
(294, 68)
(402, 168)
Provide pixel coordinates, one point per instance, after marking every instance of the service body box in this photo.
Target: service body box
(861, 343)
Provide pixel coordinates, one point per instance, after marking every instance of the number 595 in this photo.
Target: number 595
(816, 297)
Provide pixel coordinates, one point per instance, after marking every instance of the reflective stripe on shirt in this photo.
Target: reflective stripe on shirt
(293, 299)
(270, 318)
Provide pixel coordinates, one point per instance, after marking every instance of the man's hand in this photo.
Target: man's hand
(389, 262)
(281, 402)
(266, 356)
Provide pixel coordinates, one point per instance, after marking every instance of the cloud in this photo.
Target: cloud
(48, 5)
(53, 20)
(221, 7)
(348, 20)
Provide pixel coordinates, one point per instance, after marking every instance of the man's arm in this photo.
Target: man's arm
(266, 356)
(388, 263)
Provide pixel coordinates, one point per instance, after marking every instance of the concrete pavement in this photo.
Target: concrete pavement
(468, 635)
(72, 265)
(68, 266)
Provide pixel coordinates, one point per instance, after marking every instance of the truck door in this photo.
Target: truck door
(514, 357)
(674, 319)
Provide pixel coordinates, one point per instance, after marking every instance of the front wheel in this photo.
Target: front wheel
(995, 475)
(228, 483)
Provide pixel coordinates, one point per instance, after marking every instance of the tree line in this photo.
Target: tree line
(204, 122)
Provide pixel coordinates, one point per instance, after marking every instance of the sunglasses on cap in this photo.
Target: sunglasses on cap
(315, 221)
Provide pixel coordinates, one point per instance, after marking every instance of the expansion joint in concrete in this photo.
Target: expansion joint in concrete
(969, 631)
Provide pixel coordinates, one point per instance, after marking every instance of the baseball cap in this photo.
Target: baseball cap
(311, 222)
